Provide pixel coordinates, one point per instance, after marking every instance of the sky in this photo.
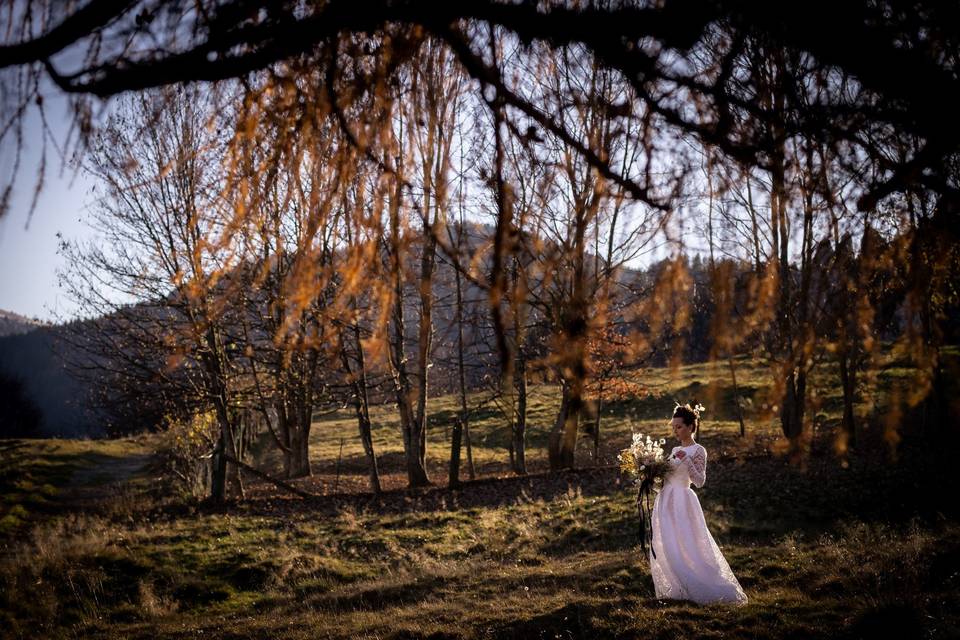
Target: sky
(28, 247)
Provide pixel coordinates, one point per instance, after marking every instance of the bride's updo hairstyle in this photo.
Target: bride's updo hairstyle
(689, 415)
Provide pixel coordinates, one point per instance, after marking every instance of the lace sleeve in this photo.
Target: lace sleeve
(697, 466)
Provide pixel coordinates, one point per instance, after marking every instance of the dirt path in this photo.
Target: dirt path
(105, 478)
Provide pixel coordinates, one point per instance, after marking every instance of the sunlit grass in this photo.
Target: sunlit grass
(335, 443)
(490, 430)
(833, 551)
(568, 564)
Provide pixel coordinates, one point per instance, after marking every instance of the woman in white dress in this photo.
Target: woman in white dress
(687, 564)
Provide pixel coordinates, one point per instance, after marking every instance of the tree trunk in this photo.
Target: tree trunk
(596, 426)
(233, 471)
(225, 474)
(457, 436)
(471, 470)
(214, 362)
(424, 342)
(791, 321)
(455, 442)
(520, 417)
(574, 320)
(297, 460)
(361, 407)
(794, 407)
(413, 437)
(848, 380)
(366, 438)
(285, 429)
(417, 459)
(218, 481)
(563, 437)
(462, 424)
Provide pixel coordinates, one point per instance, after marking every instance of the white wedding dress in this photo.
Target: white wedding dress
(688, 563)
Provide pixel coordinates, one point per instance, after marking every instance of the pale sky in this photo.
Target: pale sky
(28, 251)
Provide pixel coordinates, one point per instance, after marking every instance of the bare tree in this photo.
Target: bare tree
(159, 211)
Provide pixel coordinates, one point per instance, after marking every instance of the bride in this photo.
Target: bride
(687, 564)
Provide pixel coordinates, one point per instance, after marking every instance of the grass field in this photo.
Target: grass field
(95, 544)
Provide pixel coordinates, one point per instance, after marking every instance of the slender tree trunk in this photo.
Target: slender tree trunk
(519, 409)
(596, 425)
(233, 471)
(286, 439)
(361, 406)
(789, 328)
(424, 342)
(455, 445)
(797, 334)
(848, 381)
(287, 430)
(218, 480)
(224, 473)
(520, 415)
(471, 470)
(462, 424)
(412, 436)
(574, 355)
(458, 427)
(758, 265)
(572, 406)
(366, 438)
(794, 406)
(416, 472)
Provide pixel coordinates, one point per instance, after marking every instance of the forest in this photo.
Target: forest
(377, 292)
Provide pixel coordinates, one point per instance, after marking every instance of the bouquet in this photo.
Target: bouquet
(645, 462)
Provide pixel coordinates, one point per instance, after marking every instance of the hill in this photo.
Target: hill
(13, 323)
(36, 359)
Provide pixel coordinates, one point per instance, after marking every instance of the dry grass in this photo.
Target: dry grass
(834, 552)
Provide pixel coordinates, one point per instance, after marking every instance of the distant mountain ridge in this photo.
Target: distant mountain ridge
(12, 324)
(34, 357)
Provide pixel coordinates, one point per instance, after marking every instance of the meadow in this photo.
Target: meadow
(97, 542)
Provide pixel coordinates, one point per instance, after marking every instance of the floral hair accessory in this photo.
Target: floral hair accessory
(697, 409)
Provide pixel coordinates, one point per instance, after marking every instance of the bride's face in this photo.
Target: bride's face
(680, 428)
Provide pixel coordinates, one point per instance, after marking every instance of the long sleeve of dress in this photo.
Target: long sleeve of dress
(697, 466)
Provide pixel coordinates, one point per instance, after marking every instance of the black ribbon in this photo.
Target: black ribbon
(643, 494)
